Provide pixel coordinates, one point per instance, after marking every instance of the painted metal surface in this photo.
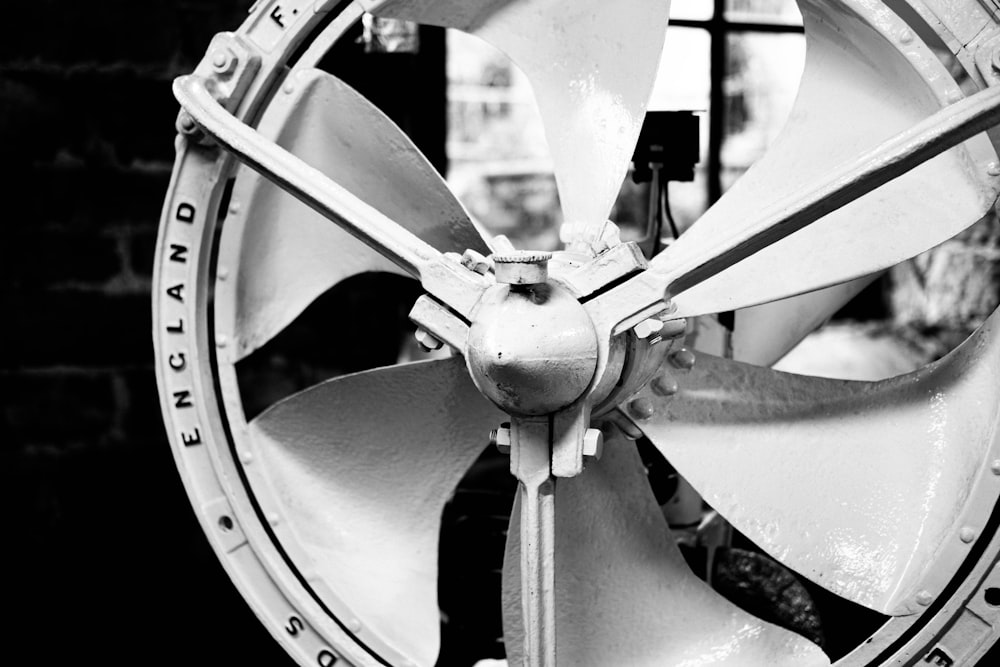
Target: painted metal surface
(591, 64)
(447, 280)
(624, 594)
(313, 485)
(839, 83)
(288, 253)
(700, 255)
(862, 487)
(364, 494)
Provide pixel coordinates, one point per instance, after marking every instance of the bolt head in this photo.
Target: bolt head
(683, 359)
(642, 408)
(647, 328)
(427, 340)
(500, 438)
(222, 61)
(593, 444)
(665, 385)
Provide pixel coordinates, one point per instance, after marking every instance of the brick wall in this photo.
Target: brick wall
(105, 559)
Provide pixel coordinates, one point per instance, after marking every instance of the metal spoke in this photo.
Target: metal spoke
(456, 286)
(695, 258)
(531, 463)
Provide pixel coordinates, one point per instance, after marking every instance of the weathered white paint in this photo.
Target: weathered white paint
(862, 487)
(362, 467)
(288, 253)
(625, 596)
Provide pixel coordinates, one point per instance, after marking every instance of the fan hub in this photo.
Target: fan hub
(532, 349)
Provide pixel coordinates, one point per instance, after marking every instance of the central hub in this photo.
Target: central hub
(532, 348)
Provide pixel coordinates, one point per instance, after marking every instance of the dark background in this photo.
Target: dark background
(103, 555)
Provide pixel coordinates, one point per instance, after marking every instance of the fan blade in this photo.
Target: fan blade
(591, 64)
(624, 594)
(845, 106)
(362, 466)
(288, 253)
(761, 335)
(865, 488)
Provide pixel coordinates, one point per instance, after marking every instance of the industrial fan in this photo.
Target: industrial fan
(325, 508)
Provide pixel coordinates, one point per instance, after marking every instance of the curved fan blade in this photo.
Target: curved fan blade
(862, 487)
(845, 107)
(362, 466)
(761, 335)
(288, 253)
(624, 594)
(591, 64)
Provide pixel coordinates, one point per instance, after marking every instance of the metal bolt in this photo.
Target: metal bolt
(185, 123)
(474, 261)
(223, 61)
(426, 340)
(996, 60)
(967, 534)
(220, 341)
(500, 438)
(647, 328)
(665, 385)
(906, 36)
(993, 169)
(522, 267)
(924, 598)
(593, 444)
(683, 359)
(995, 467)
(673, 328)
(642, 408)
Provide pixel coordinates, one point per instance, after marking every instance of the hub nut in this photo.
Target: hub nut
(522, 267)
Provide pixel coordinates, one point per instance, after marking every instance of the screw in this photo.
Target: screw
(593, 444)
(426, 340)
(500, 438)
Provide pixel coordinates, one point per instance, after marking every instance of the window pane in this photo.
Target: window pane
(499, 162)
(691, 9)
(683, 84)
(764, 11)
(762, 78)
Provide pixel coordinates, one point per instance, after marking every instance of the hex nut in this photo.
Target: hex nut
(647, 328)
(427, 341)
(593, 444)
(500, 438)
